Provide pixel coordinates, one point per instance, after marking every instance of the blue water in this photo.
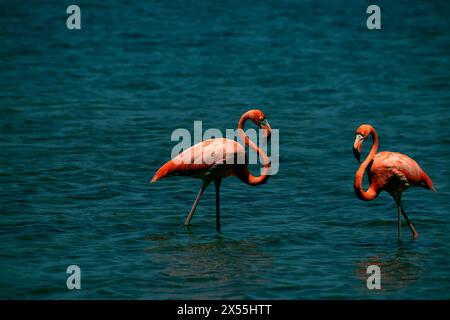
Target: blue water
(86, 118)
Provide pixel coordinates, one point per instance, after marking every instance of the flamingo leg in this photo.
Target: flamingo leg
(194, 206)
(397, 197)
(217, 183)
(413, 230)
(399, 223)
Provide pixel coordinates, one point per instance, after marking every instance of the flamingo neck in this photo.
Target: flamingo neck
(244, 174)
(372, 192)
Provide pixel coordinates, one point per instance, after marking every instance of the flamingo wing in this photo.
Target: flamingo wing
(202, 157)
(390, 166)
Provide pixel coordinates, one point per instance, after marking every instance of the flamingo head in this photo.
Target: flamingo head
(361, 134)
(259, 119)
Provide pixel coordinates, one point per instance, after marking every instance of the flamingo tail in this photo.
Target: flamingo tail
(164, 171)
(428, 184)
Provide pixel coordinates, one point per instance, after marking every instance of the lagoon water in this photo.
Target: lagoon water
(86, 118)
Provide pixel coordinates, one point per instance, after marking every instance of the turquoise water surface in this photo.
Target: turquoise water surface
(86, 118)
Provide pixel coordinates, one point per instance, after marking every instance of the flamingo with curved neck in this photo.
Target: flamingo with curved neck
(216, 159)
(387, 171)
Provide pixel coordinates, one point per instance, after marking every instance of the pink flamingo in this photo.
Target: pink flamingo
(390, 171)
(215, 159)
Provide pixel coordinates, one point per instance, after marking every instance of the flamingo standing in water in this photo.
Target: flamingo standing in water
(390, 171)
(215, 159)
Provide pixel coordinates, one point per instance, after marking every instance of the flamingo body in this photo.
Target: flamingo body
(207, 160)
(395, 172)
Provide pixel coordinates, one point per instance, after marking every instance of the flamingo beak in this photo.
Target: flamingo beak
(267, 129)
(357, 147)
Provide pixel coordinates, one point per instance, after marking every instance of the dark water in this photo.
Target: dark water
(86, 118)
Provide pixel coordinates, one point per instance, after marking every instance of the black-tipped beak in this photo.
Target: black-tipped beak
(267, 129)
(357, 147)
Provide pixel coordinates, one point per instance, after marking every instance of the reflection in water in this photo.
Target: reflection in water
(223, 265)
(399, 268)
